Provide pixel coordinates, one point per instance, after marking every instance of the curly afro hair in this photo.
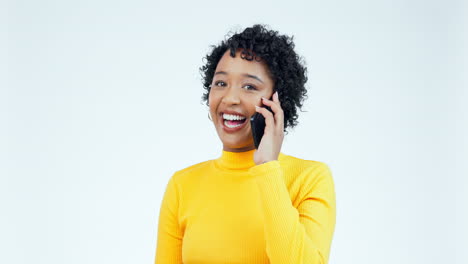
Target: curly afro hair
(286, 67)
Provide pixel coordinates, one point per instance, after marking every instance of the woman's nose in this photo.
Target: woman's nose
(232, 96)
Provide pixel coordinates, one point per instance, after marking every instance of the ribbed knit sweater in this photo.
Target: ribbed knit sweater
(230, 210)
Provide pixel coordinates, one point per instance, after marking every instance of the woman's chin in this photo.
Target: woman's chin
(240, 141)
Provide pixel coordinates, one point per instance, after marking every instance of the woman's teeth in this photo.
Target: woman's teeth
(233, 117)
(226, 123)
(233, 121)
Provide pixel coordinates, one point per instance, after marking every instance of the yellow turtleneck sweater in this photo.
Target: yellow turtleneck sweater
(229, 210)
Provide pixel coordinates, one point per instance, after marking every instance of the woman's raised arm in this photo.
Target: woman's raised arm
(303, 234)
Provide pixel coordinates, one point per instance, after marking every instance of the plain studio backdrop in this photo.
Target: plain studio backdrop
(100, 103)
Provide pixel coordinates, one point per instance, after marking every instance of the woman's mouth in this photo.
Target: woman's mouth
(233, 123)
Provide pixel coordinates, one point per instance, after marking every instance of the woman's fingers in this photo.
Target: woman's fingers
(269, 119)
(277, 110)
(280, 117)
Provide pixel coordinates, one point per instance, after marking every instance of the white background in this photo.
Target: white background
(100, 103)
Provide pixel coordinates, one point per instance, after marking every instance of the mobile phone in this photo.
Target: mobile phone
(257, 124)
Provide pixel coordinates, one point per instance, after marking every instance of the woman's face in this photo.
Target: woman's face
(238, 86)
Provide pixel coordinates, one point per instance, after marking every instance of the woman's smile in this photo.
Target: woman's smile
(232, 123)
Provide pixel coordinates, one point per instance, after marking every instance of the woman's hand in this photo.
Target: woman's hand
(270, 145)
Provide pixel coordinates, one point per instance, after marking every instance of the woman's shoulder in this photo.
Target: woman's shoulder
(192, 172)
(301, 164)
(305, 170)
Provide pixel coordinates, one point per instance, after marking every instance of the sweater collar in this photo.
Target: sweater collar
(238, 160)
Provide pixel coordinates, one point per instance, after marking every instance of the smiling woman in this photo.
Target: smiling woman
(250, 205)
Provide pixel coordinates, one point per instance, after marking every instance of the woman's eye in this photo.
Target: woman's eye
(250, 87)
(219, 82)
(247, 86)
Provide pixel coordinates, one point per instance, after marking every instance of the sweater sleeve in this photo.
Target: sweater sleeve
(303, 234)
(169, 241)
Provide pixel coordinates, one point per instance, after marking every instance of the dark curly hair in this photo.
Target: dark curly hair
(287, 68)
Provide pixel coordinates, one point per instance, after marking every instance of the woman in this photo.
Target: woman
(250, 205)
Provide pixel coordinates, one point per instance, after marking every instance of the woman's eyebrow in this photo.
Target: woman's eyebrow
(252, 76)
(245, 74)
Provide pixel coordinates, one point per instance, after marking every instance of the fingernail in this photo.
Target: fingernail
(263, 98)
(257, 107)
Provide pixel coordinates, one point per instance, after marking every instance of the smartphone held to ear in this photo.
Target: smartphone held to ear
(257, 124)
